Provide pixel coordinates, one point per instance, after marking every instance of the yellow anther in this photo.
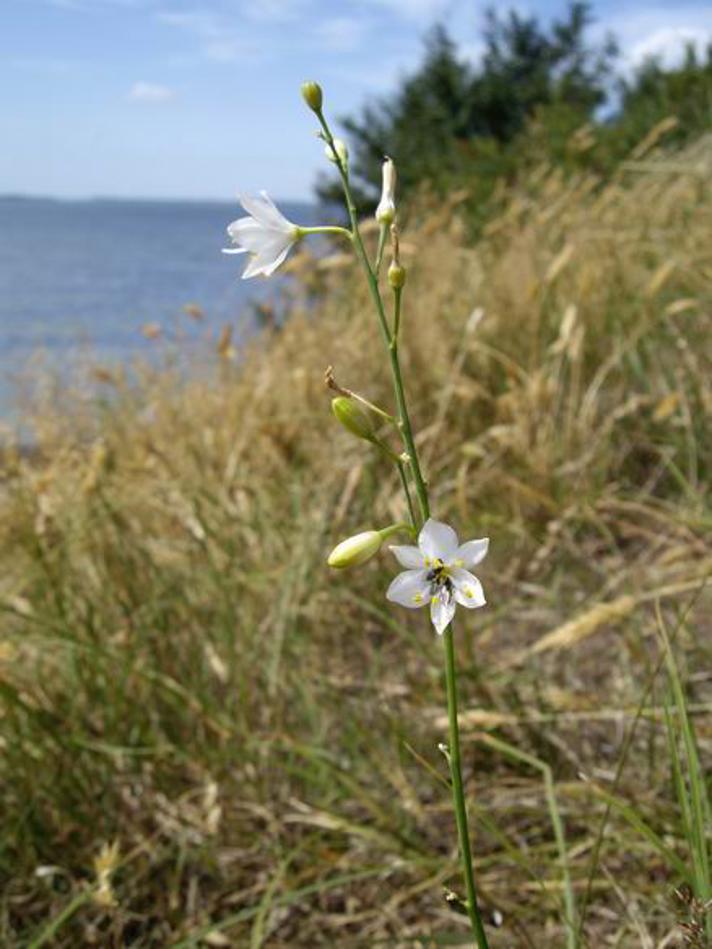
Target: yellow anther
(434, 599)
(418, 598)
(468, 592)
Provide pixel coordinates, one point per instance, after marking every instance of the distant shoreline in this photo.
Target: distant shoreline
(11, 198)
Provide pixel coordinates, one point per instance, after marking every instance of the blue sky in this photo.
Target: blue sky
(183, 98)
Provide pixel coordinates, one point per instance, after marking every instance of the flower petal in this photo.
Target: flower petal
(468, 589)
(408, 556)
(437, 541)
(410, 588)
(247, 233)
(277, 262)
(470, 554)
(262, 209)
(442, 610)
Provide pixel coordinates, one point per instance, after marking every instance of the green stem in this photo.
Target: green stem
(397, 311)
(53, 927)
(326, 229)
(406, 491)
(458, 793)
(391, 342)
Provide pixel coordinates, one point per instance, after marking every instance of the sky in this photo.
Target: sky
(191, 99)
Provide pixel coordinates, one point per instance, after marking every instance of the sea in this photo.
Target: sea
(100, 279)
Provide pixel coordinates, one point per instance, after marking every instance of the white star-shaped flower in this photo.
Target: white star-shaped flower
(438, 573)
(265, 234)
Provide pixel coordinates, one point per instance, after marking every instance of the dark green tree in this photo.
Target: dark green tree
(654, 93)
(449, 120)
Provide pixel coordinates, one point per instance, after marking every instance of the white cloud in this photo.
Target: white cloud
(668, 44)
(418, 9)
(657, 31)
(87, 5)
(273, 11)
(217, 38)
(341, 34)
(150, 92)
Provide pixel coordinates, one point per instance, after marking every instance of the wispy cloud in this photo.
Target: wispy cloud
(423, 10)
(655, 31)
(274, 11)
(219, 39)
(151, 92)
(89, 5)
(341, 34)
(668, 44)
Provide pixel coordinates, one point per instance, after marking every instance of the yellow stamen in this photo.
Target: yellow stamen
(418, 598)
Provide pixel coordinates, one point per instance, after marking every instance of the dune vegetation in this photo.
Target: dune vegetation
(209, 739)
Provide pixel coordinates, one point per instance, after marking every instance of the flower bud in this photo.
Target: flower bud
(386, 210)
(341, 150)
(396, 276)
(355, 550)
(353, 417)
(312, 95)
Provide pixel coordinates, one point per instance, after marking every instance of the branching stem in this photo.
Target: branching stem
(390, 338)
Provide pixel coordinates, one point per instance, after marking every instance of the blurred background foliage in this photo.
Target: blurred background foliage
(538, 93)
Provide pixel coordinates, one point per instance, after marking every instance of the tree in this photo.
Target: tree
(448, 113)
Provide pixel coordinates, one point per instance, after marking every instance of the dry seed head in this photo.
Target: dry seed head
(105, 864)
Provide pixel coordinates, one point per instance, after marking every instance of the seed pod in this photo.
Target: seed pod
(353, 417)
(396, 276)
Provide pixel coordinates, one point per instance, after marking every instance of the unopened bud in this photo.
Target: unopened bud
(341, 150)
(312, 95)
(386, 210)
(355, 550)
(396, 276)
(353, 417)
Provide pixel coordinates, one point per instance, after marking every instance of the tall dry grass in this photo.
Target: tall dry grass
(182, 676)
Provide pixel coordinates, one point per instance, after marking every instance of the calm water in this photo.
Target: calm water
(78, 275)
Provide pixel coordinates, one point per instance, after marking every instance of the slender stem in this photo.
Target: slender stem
(397, 311)
(406, 491)
(325, 229)
(458, 793)
(56, 924)
(391, 341)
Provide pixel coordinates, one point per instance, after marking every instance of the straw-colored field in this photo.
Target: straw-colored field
(182, 675)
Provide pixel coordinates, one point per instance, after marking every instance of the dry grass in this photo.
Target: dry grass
(181, 675)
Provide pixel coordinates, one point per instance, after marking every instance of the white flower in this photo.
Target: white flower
(266, 235)
(386, 210)
(438, 573)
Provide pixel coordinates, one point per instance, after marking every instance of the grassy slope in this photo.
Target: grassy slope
(180, 672)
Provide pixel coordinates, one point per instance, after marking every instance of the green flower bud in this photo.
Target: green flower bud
(353, 417)
(396, 276)
(355, 550)
(312, 95)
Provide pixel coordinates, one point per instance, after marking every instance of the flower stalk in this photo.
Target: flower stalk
(437, 569)
(390, 338)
